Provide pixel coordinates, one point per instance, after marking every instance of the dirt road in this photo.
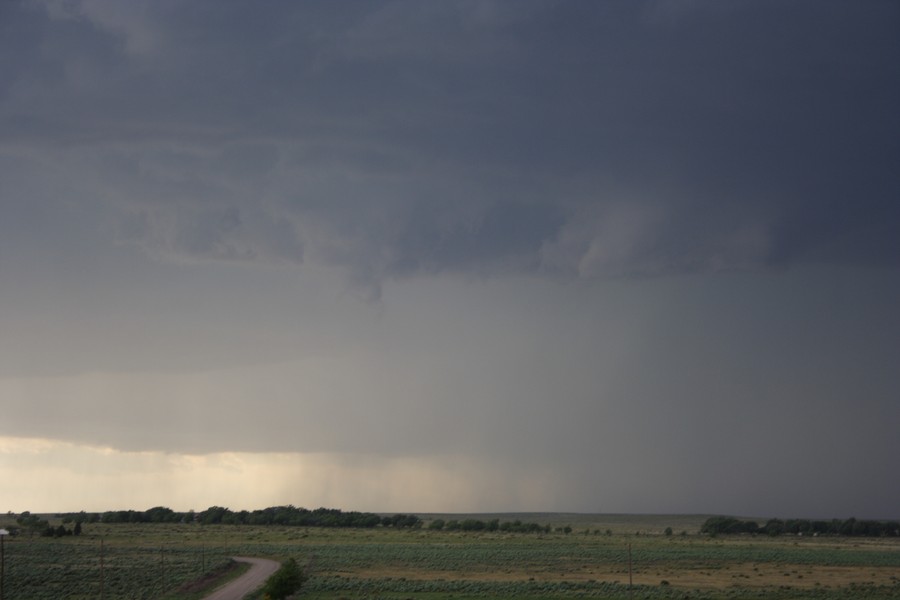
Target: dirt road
(260, 571)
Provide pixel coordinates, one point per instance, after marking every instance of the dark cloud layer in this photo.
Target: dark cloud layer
(398, 138)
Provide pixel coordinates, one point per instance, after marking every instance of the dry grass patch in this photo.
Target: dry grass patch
(746, 575)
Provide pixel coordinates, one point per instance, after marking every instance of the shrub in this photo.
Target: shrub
(285, 581)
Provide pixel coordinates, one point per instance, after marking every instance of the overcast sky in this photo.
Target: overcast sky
(451, 256)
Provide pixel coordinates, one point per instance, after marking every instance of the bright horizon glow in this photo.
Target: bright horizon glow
(69, 477)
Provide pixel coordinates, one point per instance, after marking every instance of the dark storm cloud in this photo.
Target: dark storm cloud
(463, 159)
(395, 138)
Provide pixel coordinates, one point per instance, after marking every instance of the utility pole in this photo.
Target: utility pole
(162, 568)
(630, 590)
(101, 569)
(3, 534)
(2, 561)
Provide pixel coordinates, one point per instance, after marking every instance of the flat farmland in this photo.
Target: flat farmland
(590, 561)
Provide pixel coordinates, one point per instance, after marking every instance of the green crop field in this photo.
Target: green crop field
(591, 561)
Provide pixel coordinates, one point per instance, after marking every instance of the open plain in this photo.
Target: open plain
(582, 556)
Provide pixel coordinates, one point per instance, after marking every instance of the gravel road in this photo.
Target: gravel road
(261, 570)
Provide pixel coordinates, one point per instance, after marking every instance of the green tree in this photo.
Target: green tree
(33, 523)
(774, 527)
(213, 515)
(161, 514)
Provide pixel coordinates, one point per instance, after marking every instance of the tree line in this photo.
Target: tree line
(273, 515)
(34, 524)
(302, 517)
(848, 527)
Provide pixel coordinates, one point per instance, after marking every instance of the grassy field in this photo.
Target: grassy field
(161, 561)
